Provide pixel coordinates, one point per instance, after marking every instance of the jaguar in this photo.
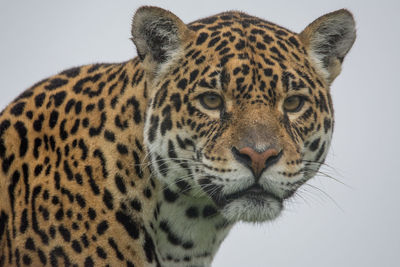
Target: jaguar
(150, 162)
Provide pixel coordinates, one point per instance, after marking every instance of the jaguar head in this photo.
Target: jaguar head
(240, 111)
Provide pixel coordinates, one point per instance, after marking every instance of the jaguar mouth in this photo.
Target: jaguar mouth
(254, 193)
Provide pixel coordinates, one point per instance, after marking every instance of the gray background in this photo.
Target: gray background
(351, 224)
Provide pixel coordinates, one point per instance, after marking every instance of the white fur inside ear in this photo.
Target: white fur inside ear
(158, 35)
(329, 40)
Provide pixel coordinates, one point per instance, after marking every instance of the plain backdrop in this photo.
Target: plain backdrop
(351, 219)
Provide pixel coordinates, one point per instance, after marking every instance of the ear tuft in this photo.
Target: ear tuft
(328, 39)
(158, 34)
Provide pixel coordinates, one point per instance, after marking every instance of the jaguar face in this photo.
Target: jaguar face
(241, 116)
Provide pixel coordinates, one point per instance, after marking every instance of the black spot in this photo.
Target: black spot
(214, 41)
(59, 214)
(92, 183)
(172, 238)
(37, 124)
(69, 105)
(72, 72)
(136, 204)
(101, 253)
(68, 171)
(39, 99)
(183, 185)
(80, 84)
(55, 83)
(76, 246)
(182, 84)
(99, 154)
(53, 119)
(64, 233)
(78, 107)
(84, 149)
(327, 124)
(147, 192)
(268, 72)
(137, 161)
(192, 212)
(314, 145)
(24, 221)
(196, 27)
(129, 224)
(137, 117)
(240, 44)
(100, 104)
(294, 41)
(188, 245)
(26, 94)
(209, 211)
(92, 214)
(22, 131)
(42, 257)
(122, 149)
(85, 240)
(63, 132)
(59, 98)
(170, 196)
(26, 260)
(29, 114)
(7, 163)
(154, 121)
(119, 181)
(18, 109)
(108, 199)
(102, 227)
(38, 169)
(75, 127)
(201, 38)
(166, 124)
(89, 262)
(193, 75)
(110, 136)
(81, 200)
(29, 244)
(90, 107)
(114, 245)
(148, 247)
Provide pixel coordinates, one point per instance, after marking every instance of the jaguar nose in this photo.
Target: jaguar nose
(256, 161)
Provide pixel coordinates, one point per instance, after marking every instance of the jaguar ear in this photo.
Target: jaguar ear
(328, 39)
(159, 37)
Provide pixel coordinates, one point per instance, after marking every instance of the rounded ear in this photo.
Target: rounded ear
(328, 39)
(159, 36)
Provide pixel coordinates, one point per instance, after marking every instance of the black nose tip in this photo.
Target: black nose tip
(256, 161)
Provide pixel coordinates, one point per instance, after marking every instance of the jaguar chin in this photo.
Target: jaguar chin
(252, 204)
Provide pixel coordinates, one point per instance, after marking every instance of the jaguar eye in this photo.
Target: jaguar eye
(293, 103)
(211, 101)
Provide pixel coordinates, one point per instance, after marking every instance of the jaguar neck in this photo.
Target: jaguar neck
(187, 231)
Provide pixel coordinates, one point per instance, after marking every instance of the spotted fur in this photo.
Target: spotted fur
(124, 165)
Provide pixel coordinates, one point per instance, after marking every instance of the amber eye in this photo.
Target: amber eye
(211, 101)
(293, 103)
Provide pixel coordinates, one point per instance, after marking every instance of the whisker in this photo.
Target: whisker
(327, 195)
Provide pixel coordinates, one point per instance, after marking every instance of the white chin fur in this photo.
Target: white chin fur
(252, 210)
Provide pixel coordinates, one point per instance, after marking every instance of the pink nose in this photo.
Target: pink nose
(257, 161)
